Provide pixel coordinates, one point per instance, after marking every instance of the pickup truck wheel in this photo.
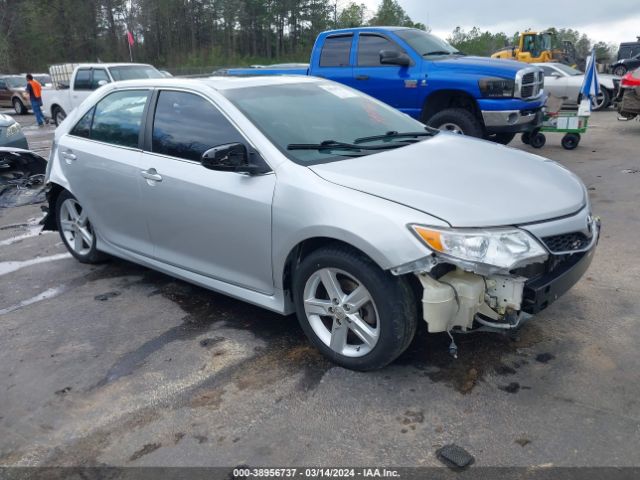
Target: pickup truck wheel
(76, 230)
(19, 107)
(502, 138)
(58, 115)
(356, 314)
(457, 120)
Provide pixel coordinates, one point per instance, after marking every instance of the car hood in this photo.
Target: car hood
(480, 65)
(465, 182)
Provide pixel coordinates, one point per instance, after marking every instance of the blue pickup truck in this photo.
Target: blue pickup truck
(428, 79)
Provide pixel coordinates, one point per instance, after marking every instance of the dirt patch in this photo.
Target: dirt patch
(209, 398)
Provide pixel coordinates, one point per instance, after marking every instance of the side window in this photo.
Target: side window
(3, 85)
(548, 71)
(83, 80)
(83, 127)
(99, 75)
(336, 51)
(369, 47)
(186, 125)
(118, 116)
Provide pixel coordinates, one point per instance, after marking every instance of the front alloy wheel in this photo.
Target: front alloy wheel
(355, 313)
(341, 312)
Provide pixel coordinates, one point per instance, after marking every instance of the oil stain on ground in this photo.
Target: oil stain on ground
(478, 355)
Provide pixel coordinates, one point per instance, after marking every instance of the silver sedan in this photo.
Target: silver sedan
(305, 196)
(565, 82)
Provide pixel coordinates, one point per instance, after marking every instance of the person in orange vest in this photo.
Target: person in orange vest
(35, 95)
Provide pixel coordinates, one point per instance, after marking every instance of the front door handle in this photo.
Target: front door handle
(362, 77)
(69, 156)
(151, 174)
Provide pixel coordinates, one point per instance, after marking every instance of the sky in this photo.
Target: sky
(611, 21)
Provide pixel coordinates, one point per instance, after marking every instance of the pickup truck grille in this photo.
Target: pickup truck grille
(567, 242)
(530, 82)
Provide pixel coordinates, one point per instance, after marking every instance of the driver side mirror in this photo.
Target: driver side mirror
(555, 75)
(394, 57)
(102, 83)
(230, 157)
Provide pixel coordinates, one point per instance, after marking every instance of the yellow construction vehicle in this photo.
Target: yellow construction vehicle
(535, 47)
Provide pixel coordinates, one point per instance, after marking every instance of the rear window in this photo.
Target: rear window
(336, 51)
(83, 80)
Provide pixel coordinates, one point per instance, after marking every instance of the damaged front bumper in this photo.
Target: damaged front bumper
(462, 299)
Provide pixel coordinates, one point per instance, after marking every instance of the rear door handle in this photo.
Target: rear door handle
(151, 174)
(362, 77)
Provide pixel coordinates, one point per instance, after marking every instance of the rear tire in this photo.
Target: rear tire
(58, 115)
(19, 107)
(361, 302)
(76, 230)
(457, 120)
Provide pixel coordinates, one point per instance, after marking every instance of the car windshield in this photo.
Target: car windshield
(299, 115)
(426, 44)
(42, 78)
(133, 72)
(567, 69)
(15, 82)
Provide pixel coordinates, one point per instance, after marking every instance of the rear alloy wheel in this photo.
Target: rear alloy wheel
(58, 115)
(76, 230)
(19, 107)
(602, 101)
(356, 314)
(620, 70)
(457, 120)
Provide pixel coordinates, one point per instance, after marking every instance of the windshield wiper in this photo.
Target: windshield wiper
(335, 145)
(393, 135)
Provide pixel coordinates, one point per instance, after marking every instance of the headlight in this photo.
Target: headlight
(13, 129)
(496, 87)
(505, 248)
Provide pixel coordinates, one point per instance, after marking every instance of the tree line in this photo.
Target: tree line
(180, 33)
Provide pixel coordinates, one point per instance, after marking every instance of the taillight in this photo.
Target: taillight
(631, 79)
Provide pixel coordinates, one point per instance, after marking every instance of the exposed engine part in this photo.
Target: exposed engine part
(504, 292)
(457, 298)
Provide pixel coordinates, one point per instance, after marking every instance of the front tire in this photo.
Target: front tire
(356, 314)
(76, 230)
(19, 107)
(457, 120)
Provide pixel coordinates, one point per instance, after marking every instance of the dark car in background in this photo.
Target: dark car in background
(625, 65)
(13, 93)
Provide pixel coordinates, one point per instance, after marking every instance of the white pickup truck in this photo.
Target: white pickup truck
(72, 83)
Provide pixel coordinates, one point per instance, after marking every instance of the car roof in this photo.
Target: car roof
(217, 83)
(108, 65)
